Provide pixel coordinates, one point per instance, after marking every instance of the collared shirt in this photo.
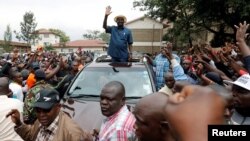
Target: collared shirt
(238, 119)
(47, 134)
(161, 64)
(118, 127)
(119, 41)
(166, 90)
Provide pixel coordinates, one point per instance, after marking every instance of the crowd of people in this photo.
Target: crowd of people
(201, 87)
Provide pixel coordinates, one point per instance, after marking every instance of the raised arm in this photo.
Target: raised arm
(240, 38)
(107, 13)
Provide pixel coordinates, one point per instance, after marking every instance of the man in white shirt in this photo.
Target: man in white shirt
(16, 85)
(6, 104)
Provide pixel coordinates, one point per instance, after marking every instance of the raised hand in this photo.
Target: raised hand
(241, 31)
(108, 10)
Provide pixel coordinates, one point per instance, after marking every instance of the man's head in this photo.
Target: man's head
(40, 74)
(75, 65)
(17, 77)
(150, 122)
(35, 66)
(112, 98)
(47, 106)
(241, 94)
(192, 110)
(120, 20)
(4, 87)
(169, 79)
(186, 64)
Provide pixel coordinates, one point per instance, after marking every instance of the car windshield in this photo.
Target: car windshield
(91, 80)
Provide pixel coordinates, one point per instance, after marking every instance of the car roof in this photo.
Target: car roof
(105, 61)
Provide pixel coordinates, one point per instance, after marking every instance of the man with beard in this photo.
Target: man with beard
(241, 98)
(121, 40)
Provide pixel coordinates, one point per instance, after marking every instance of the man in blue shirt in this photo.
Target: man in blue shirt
(120, 45)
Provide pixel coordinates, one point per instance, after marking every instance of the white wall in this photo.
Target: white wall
(45, 38)
(147, 43)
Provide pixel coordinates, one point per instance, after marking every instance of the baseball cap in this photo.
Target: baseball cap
(46, 98)
(243, 81)
(121, 16)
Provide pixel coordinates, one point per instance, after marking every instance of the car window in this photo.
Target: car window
(91, 80)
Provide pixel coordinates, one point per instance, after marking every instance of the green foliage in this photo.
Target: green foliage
(192, 16)
(48, 48)
(96, 34)
(28, 27)
(63, 37)
(7, 39)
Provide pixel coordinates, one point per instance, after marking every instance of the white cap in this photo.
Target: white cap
(243, 81)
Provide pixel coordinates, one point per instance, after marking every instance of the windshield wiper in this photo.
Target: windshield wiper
(133, 97)
(114, 69)
(82, 95)
(76, 88)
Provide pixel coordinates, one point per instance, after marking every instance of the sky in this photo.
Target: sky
(74, 17)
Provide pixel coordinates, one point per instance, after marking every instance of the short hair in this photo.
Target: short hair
(117, 85)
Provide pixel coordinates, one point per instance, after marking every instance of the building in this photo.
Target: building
(147, 34)
(45, 38)
(84, 45)
(22, 47)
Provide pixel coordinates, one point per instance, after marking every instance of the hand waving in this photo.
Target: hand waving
(241, 31)
(108, 10)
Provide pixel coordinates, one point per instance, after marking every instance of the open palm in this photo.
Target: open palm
(108, 10)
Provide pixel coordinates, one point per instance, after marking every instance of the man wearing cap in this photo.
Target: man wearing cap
(241, 98)
(120, 46)
(52, 125)
(29, 113)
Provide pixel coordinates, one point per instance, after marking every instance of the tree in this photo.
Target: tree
(191, 16)
(48, 48)
(92, 34)
(28, 27)
(62, 35)
(7, 39)
(96, 34)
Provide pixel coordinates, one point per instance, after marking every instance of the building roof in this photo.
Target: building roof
(142, 17)
(17, 44)
(84, 43)
(43, 31)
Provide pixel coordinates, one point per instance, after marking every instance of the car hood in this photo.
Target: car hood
(87, 114)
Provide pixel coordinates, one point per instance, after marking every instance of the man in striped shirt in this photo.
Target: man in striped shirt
(118, 126)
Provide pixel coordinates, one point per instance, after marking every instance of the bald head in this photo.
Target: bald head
(153, 105)
(117, 86)
(150, 121)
